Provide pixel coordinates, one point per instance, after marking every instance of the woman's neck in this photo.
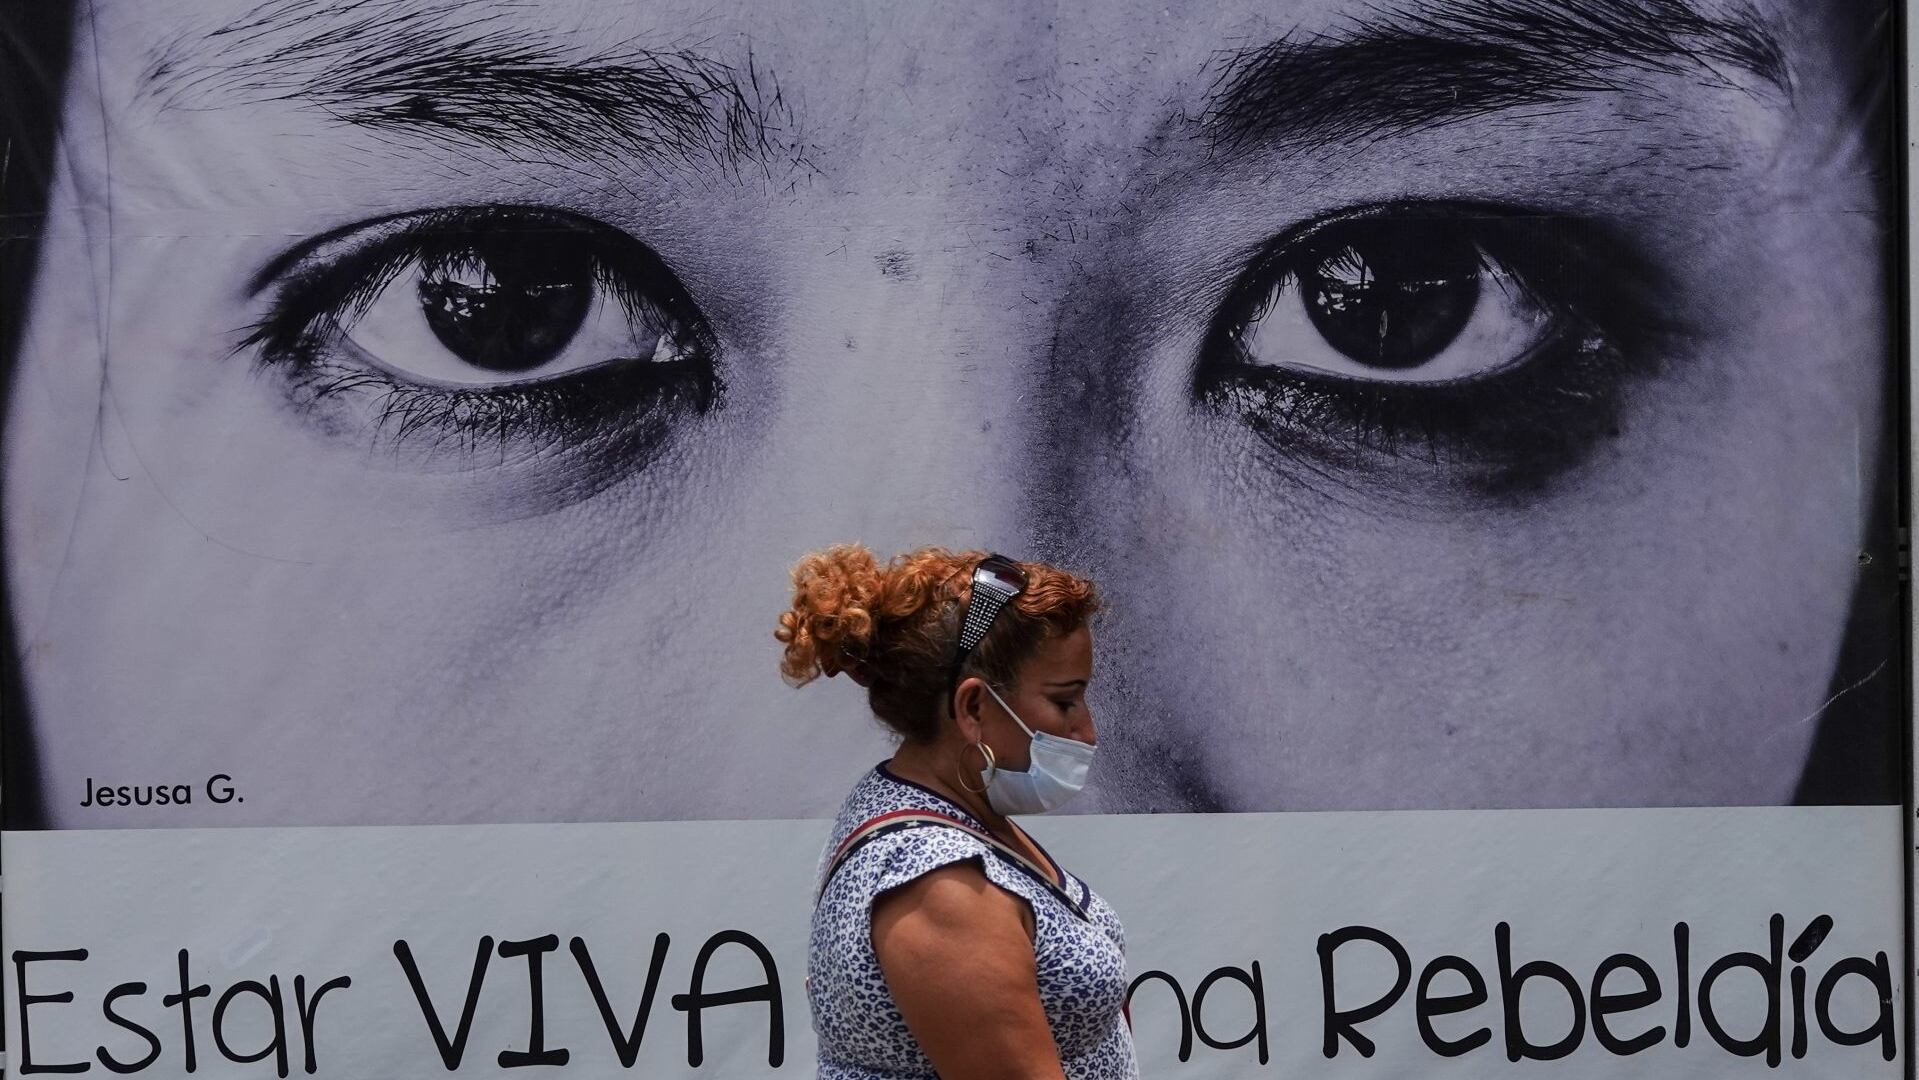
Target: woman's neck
(940, 768)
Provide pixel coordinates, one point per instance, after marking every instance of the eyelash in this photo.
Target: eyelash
(1510, 431)
(316, 294)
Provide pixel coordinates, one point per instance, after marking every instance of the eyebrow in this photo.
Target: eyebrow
(1393, 72)
(411, 68)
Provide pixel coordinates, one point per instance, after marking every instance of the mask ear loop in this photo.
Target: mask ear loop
(986, 775)
(1008, 709)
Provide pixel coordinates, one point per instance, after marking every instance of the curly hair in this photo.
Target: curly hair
(894, 628)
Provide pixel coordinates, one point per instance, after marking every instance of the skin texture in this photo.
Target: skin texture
(956, 949)
(961, 299)
(960, 966)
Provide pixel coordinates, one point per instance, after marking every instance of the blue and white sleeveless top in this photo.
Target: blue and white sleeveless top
(1081, 958)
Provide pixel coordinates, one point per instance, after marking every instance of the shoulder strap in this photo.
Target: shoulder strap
(901, 820)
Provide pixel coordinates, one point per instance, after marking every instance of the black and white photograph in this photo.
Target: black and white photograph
(415, 410)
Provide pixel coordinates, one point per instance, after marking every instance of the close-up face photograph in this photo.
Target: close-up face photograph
(415, 409)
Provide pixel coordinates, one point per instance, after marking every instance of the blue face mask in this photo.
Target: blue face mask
(1056, 771)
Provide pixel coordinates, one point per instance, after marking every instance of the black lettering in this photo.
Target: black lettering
(270, 993)
(1682, 963)
(1185, 1013)
(1798, 1012)
(21, 958)
(184, 999)
(1605, 1004)
(153, 1043)
(1345, 1023)
(309, 1009)
(1768, 970)
(451, 1050)
(1256, 986)
(220, 791)
(1512, 984)
(1875, 971)
(626, 1043)
(696, 998)
(1802, 948)
(1810, 938)
(536, 1052)
(1426, 1006)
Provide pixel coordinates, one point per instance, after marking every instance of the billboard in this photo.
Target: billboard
(413, 410)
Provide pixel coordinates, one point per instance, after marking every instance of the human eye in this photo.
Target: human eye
(510, 328)
(1463, 343)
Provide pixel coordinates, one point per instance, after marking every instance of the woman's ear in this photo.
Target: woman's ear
(967, 698)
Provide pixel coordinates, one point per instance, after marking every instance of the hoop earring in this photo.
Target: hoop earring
(991, 770)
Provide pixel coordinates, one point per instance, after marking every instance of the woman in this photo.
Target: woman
(945, 940)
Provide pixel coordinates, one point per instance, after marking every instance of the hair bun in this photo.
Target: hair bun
(830, 626)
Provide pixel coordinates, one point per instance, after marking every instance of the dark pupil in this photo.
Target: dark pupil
(508, 301)
(1393, 301)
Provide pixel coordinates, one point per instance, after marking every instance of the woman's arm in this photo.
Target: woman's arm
(957, 952)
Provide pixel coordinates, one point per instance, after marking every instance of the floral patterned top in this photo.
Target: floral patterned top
(1081, 958)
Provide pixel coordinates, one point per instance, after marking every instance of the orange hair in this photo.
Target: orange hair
(894, 628)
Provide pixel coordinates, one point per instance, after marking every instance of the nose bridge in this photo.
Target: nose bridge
(1085, 726)
(909, 357)
(920, 299)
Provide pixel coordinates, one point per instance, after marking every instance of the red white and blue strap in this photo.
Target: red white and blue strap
(902, 820)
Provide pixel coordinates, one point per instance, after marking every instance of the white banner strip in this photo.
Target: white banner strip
(1583, 944)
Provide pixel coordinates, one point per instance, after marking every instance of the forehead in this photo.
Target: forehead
(1039, 77)
(921, 58)
(885, 42)
(864, 94)
(992, 113)
(1069, 656)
